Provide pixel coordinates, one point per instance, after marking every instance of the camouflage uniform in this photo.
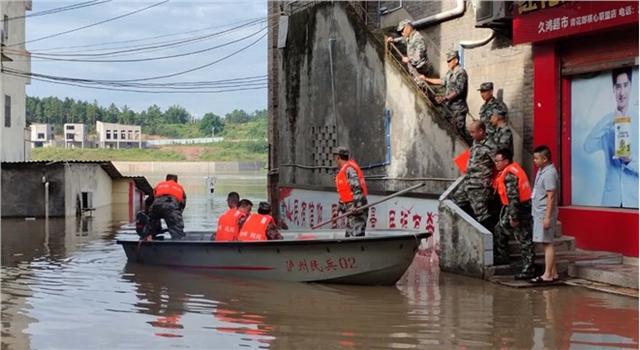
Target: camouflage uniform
(416, 52)
(457, 81)
(476, 185)
(521, 212)
(503, 138)
(272, 232)
(169, 209)
(356, 224)
(490, 108)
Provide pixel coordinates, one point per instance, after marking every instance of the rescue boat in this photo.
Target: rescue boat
(381, 257)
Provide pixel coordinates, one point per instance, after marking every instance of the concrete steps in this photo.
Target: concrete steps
(564, 259)
(617, 275)
(562, 244)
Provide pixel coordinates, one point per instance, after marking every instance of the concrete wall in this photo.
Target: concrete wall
(14, 139)
(86, 178)
(23, 190)
(192, 168)
(466, 247)
(422, 146)
(509, 67)
(304, 110)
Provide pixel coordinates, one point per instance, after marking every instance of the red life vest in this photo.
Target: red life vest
(169, 188)
(344, 190)
(255, 228)
(228, 225)
(524, 188)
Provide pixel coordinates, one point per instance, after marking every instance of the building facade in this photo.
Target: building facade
(15, 61)
(42, 135)
(118, 135)
(75, 135)
(585, 69)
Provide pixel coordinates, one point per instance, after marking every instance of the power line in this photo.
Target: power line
(92, 25)
(61, 9)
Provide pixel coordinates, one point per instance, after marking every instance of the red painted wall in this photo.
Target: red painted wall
(610, 230)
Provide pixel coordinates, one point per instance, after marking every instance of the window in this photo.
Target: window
(108, 135)
(115, 134)
(70, 136)
(40, 136)
(71, 127)
(123, 135)
(7, 111)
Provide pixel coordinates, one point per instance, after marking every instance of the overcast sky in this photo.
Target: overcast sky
(201, 17)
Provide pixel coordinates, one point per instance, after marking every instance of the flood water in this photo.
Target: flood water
(67, 285)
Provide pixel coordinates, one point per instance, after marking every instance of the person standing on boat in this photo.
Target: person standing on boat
(168, 204)
(231, 222)
(352, 190)
(260, 227)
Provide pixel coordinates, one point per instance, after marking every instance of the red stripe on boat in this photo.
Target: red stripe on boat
(205, 267)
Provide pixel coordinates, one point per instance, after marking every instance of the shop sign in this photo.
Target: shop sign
(537, 21)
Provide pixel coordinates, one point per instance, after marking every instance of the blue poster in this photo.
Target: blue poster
(604, 138)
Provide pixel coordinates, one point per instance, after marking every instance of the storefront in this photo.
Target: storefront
(586, 111)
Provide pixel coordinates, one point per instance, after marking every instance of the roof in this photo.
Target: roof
(111, 170)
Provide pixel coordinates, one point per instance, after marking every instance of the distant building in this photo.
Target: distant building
(14, 136)
(41, 135)
(118, 135)
(75, 135)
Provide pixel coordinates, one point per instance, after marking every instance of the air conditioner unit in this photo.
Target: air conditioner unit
(493, 13)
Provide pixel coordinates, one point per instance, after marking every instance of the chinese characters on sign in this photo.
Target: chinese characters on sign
(564, 22)
(528, 6)
(313, 265)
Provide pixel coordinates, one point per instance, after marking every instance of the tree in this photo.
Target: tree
(176, 115)
(210, 121)
(112, 114)
(237, 116)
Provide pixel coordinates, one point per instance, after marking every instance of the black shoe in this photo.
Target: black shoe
(525, 276)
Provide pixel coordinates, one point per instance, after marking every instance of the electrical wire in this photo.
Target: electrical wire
(92, 25)
(61, 9)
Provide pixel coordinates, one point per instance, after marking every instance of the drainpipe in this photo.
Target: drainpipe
(471, 44)
(333, 86)
(45, 181)
(441, 17)
(384, 11)
(387, 125)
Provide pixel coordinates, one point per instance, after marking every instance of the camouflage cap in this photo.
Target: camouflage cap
(451, 55)
(486, 86)
(341, 151)
(264, 206)
(402, 24)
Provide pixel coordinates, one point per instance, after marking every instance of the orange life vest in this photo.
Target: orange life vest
(169, 188)
(228, 225)
(524, 188)
(344, 190)
(255, 228)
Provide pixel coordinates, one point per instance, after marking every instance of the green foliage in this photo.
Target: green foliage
(239, 151)
(210, 121)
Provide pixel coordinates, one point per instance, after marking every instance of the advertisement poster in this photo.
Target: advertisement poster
(604, 138)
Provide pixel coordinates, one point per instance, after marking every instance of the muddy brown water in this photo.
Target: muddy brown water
(67, 285)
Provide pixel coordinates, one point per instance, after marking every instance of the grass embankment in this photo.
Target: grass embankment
(228, 151)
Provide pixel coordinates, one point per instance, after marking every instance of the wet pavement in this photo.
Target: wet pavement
(67, 285)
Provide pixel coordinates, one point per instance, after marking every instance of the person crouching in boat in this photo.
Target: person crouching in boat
(260, 227)
(231, 222)
(142, 219)
(353, 193)
(168, 203)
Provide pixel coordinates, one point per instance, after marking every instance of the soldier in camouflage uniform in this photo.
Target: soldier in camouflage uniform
(416, 49)
(456, 87)
(502, 137)
(492, 106)
(513, 187)
(168, 204)
(475, 188)
(353, 193)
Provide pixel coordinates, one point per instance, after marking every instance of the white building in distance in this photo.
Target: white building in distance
(118, 135)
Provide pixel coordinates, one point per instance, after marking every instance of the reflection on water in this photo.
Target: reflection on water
(67, 285)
